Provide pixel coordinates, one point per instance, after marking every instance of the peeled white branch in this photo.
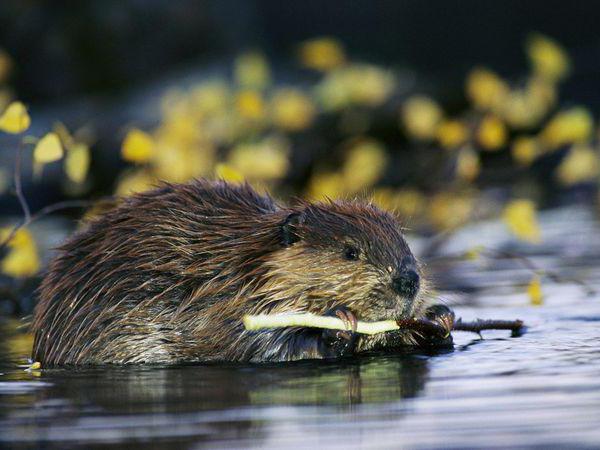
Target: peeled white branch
(263, 321)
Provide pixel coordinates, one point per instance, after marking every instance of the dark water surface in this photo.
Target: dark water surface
(540, 390)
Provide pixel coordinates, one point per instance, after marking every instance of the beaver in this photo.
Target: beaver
(167, 275)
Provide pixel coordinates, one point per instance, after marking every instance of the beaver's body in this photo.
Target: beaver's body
(167, 275)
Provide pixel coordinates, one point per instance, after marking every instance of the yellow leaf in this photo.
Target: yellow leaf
(485, 89)
(77, 163)
(525, 108)
(48, 149)
(467, 164)
(520, 217)
(228, 173)
(35, 366)
(408, 203)
(135, 181)
(252, 71)
(370, 84)
(581, 164)
(263, 161)
(365, 163)
(574, 125)
(324, 185)
(492, 133)
(212, 97)
(322, 54)
(15, 118)
(421, 116)
(360, 84)
(292, 110)
(250, 105)
(449, 210)
(138, 146)
(22, 259)
(474, 253)
(525, 150)
(534, 290)
(452, 133)
(548, 58)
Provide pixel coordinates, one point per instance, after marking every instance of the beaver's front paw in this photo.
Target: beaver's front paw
(338, 343)
(443, 316)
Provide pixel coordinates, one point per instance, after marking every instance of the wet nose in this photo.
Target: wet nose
(406, 283)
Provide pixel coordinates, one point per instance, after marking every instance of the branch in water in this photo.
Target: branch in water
(477, 326)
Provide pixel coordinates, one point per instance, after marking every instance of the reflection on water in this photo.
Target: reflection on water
(540, 390)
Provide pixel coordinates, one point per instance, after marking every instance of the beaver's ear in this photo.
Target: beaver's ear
(289, 233)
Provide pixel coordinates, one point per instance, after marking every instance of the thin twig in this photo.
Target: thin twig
(49, 209)
(19, 185)
(58, 206)
(477, 326)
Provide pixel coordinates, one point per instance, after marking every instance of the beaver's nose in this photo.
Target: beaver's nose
(406, 283)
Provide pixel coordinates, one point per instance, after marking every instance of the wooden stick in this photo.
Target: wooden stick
(263, 321)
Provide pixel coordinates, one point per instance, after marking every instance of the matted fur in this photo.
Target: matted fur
(167, 275)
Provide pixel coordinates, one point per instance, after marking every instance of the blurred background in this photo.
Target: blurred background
(444, 112)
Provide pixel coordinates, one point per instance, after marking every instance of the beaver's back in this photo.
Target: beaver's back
(126, 287)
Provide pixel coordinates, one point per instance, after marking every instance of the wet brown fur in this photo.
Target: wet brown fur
(167, 275)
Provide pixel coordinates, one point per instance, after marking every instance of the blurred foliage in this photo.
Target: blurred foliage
(430, 165)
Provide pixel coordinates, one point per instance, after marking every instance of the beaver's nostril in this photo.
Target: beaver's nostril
(406, 283)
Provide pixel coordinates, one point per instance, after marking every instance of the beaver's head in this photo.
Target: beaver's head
(344, 254)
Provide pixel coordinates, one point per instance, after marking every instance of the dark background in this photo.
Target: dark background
(73, 48)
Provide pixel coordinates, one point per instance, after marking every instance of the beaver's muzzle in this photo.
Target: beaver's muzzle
(406, 283)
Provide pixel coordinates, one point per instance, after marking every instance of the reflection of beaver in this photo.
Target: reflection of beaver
(168, 274)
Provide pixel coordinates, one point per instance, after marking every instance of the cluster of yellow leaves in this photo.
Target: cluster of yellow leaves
(364, 163)
(500, 108)
(251, 71)
(22, 259)
(266, 160)
(520, 218)
(409, 204)
(450, 210)
(292, 110)
(51, 147)
(355, 84)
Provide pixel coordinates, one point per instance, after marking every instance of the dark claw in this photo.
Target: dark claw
(348, 318)
(338, 343)
(444, 316)
(441, 314)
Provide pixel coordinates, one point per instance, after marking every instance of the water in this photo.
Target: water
(540, 390)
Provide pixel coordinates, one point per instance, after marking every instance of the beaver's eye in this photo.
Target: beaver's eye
(351, 253)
